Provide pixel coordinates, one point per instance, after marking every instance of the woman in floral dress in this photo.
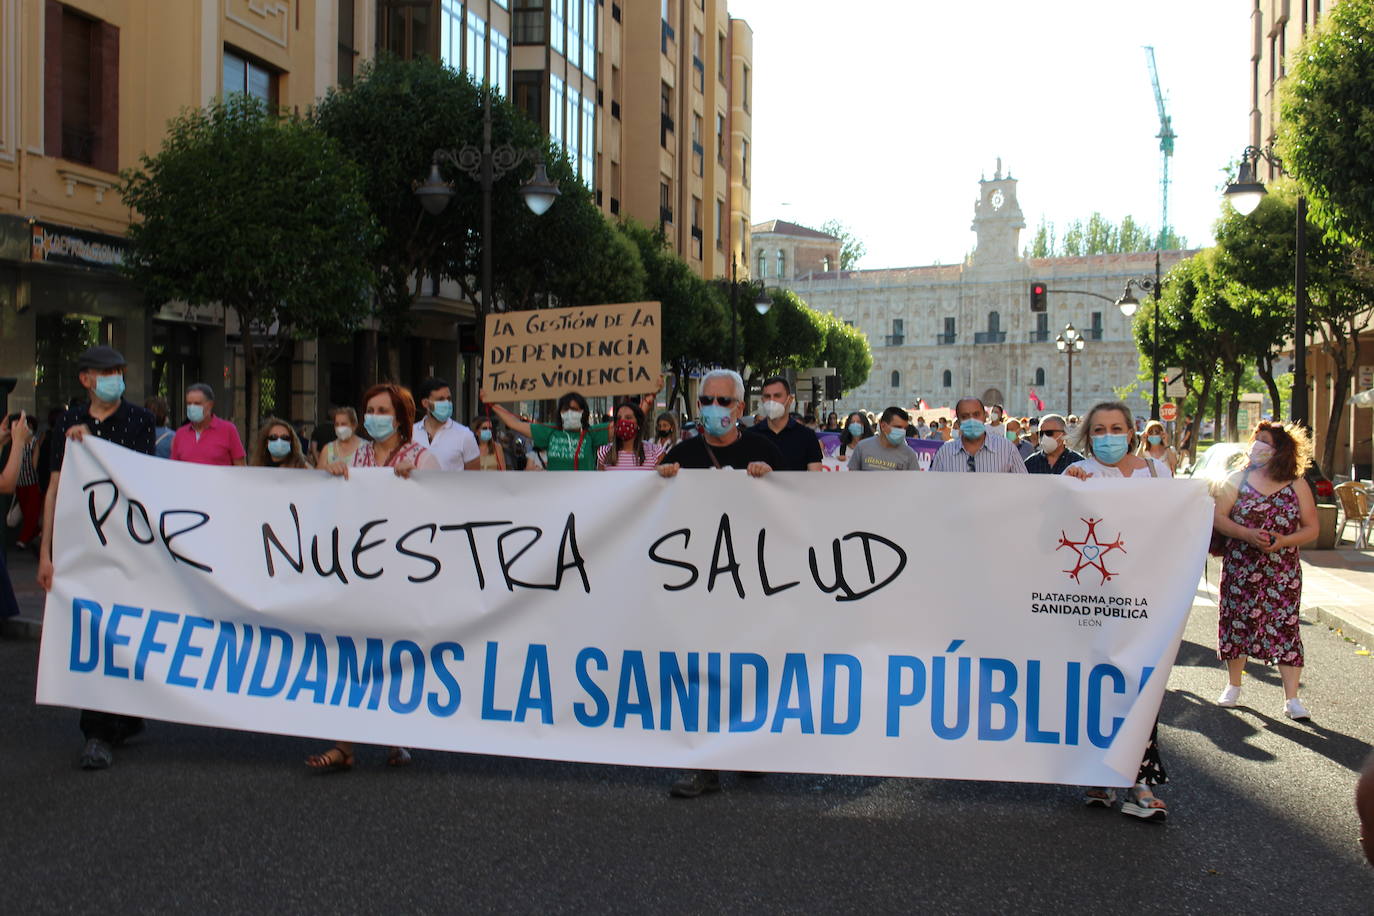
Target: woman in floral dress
(1265, 511)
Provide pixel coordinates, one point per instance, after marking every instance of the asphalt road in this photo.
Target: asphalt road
(194, 819)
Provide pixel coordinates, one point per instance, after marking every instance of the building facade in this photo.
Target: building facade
(942, 332)
(88, 86)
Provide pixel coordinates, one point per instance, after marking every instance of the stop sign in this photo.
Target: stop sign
(1168, 412)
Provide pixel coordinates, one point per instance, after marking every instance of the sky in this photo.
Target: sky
(885, 114)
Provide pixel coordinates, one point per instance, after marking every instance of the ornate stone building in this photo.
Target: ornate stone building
(944, 331)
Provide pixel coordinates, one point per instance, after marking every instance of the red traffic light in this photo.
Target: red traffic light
(1038, 296)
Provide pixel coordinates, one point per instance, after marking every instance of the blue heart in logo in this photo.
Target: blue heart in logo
(1090, 552)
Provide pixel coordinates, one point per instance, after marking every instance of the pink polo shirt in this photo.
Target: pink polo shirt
(219, 444)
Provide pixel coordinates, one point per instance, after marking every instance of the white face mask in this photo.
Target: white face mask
(772, 409)
(343, 433)
(572, 419)
(1260, 453)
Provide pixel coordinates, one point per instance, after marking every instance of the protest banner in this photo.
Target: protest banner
(593, 350)
(707, 620)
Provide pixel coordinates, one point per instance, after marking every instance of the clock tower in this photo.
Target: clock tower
(997, 220)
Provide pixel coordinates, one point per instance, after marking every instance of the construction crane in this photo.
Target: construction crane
(1166, 148)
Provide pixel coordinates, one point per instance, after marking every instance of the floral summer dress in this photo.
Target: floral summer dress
(1260, 592)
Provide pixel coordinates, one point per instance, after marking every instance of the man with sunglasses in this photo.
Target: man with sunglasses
(721, 444)
(1054, 454)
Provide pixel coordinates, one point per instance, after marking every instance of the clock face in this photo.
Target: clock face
(997, 199)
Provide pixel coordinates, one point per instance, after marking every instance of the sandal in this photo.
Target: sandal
(1140, 802)
(399, 757)
(334, 759)
(1099, 798)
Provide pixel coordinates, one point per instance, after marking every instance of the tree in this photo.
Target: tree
(1327, 119)
(852, 250)
(846, 351)
(1098, 235)
(257, 211)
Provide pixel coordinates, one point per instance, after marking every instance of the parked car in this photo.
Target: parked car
(1217, 461)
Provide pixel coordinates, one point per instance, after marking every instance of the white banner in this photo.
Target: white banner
(870, 624)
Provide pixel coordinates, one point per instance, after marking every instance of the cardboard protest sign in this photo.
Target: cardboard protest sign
(594, 350)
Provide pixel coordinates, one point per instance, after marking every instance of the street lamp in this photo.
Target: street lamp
(1128, 303)
(1245, 194)
(761, 305)
(1069, 341)
(486, 166)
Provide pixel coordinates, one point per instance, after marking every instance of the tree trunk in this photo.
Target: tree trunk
(1196, 426)
(1233, 408)
(1217, 417)
(1265, 367)
(1334, 421)
(252, 382)
(369, 367)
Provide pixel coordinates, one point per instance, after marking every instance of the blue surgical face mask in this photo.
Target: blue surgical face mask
(195, 412)
(485, 435)
(896, 436)
(856, 430)
(109, 388)
(1155, 440)
(278, 448)
(379, 426)
(972, 428)
(1110, 449)
(442, 410)
(716, 419)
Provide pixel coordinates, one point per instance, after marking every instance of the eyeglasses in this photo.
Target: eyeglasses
(278, 438)
(1051, 432)
(704, 401)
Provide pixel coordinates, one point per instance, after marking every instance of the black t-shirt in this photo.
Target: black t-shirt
(798, 444)
(130, 426)
(691, 453)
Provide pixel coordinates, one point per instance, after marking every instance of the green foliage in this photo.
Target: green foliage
(1098, 235)
(258, 211)
(696, 322)
(847, 351)
(1326, 125)
(852, 250)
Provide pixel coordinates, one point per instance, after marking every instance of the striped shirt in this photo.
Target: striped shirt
(995, 456)
(625, 459)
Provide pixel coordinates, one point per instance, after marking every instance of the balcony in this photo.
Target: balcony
(665, 215)
(944, 339)
(989, 337)
(665, 127)
(1092, 334)
(1039, 336)
(668, 35)
(895, 340)
(615, 11)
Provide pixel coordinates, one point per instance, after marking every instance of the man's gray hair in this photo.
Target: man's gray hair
(731, 374)
(1053, 416)
(203, 389)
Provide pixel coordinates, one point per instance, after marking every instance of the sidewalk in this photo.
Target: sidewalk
(1337, 590)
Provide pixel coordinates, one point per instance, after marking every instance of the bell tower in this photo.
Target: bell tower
(997, 220)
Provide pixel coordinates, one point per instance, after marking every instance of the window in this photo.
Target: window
(475, 49)
(720, 138)
(720, 224)
(744, 87)
(347, 52)
(1041, 334)
(698, 67)
(588, 141)
(898, 335)
(948, 336)
(81, 120)
(558, 14)
(721, 57)
(529, 93)
(1039, 376)
(782, 264)
(1095, 330)
(947, 379)
(696, 227)
(500, 63)
(896, 379)
(571, 145)
(406, 29)
(744, 161)
(698, 152)
(615, 188)
(249, 77)
(665, 200)
(665, 107)
(589, 38)
(528, 22)
(451, 33)
(615, 92)
(994, 322)
(575, 33)
(763, 264)
(556, 135)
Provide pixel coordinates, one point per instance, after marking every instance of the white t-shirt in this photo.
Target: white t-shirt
(1098, 469)
(453, 446)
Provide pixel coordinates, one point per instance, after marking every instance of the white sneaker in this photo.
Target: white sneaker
(1230, 696)
(1294, 709)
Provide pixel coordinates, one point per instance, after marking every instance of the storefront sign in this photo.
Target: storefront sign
(64, 245)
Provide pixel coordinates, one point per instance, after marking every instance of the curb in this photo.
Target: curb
(1334, 618)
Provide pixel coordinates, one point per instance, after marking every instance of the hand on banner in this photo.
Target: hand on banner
(758, 468)
(76, 433)
(1076, 472)
(668, 470)
(403, 469)
(338, 469)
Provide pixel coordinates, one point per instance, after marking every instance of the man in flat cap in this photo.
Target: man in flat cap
(106, 415)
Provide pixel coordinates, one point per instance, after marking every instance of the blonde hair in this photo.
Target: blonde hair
(1084, 439)
(1143, 446)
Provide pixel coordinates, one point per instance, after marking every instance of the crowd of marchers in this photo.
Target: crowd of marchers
(1264, 510)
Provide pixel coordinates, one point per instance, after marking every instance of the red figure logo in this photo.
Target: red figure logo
(1091, 550)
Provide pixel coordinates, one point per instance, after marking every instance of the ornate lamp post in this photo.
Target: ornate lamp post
(1069, 341)
(1245, 194)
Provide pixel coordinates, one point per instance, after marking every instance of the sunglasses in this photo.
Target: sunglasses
(704, 401)
(1051, 432)
(278, 438)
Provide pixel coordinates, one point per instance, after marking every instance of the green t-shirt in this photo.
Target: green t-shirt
(560, 446)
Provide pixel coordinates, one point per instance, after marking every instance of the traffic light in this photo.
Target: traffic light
(1038, 292)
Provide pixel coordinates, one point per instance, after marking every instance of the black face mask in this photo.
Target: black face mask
(664, 433)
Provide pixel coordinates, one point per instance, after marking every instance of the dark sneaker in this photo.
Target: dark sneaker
(96, 755)
(698, 783)
(131, 728)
